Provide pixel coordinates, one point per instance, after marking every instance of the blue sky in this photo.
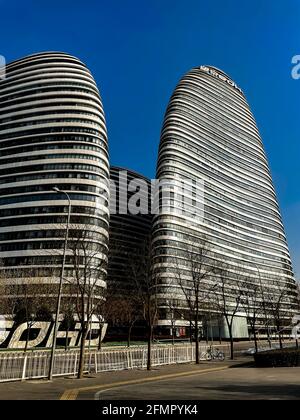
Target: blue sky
(138, 49)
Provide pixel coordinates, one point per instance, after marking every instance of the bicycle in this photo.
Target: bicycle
(215, 354)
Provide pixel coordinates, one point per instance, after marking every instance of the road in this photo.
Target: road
(229, 384)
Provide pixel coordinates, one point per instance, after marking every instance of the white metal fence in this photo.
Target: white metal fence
(15, 366)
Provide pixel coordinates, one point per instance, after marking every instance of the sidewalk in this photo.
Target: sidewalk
(70, 388)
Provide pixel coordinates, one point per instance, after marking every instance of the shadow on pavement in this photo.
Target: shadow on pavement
(263, 391)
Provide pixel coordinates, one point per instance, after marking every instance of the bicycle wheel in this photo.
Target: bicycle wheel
(208, 356)
(221, 356)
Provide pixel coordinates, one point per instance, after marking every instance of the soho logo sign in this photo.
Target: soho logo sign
(13, 336)
(296, 68)
(221, 77)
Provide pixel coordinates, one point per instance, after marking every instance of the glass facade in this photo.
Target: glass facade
(128, 232)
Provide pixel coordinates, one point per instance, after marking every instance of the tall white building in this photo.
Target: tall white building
(52, 135)
(209, 136)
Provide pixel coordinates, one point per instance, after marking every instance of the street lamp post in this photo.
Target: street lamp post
(50, 374)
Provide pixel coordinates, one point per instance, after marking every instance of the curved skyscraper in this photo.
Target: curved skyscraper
(210, 137)
(52, 135)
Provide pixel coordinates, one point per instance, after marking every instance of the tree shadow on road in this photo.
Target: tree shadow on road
(255, 391)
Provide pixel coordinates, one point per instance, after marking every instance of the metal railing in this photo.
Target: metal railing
(16, 366)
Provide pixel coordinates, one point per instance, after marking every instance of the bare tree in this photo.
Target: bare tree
(89, 264)
(26, 297)
(3, 304)
(124, 283)
(227, 298)
(195, 279)
(131, 314)
(278, 303)
(250, 298)
(115, 307)
(4, 292)
(27, 301)
(220, 329)
(68, 312)
(265, 315)
(9, 294)
(211, 318)
(125, 311)
(145, 284)
(176, 309)
(174, 312)
(101, 313)
(105, 308)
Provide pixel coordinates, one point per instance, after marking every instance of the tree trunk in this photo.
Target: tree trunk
(149, 348)
(197, 340)
(255, 339)
(67, 339)
(100, 336)
(27, 339)
(269, 338)
(84, 329)
(206, 331)
(280, 337)
(129, 335)
(231, 342)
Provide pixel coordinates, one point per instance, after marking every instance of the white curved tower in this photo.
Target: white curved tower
(52, 134)
(210, 135)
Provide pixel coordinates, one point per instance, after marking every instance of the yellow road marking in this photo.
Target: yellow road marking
(71, 394)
